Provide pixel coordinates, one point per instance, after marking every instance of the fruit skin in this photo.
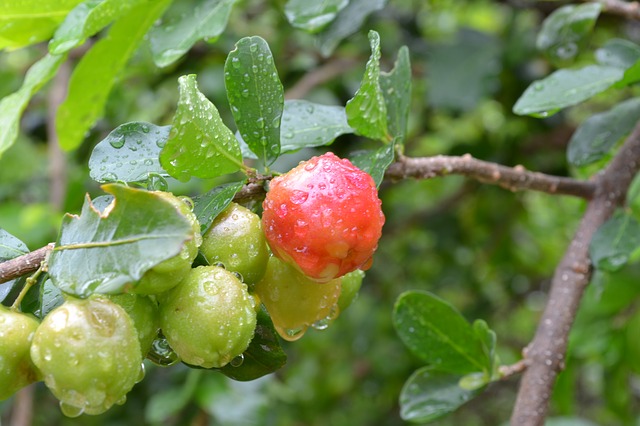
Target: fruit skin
(324, 216)
(351, 284)
(235, 239)
(88, 353)
(16, 333)
(144, 313)
(294, 301)
(209, 318)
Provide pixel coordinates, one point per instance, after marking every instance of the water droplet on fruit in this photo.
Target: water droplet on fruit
(141, 373)
(291, 334)
(237, 361)
(122, 400)
(322, 324)
(298, 196)
(161, 354)
(70, 410)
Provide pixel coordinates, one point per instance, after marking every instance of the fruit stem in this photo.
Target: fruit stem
(27, 286)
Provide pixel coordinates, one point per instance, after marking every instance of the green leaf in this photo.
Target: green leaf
(312, 17)
(50, 298)
(438, 334)
(184, 24)
(10, 248)
(102, 252)
(199, 144)
(12, 106)
(633, 196)
(130, 153)
(618, 53)
(256, 96)
(564, 88)
(568, 421)
(96, 73)
(396, 90)
(429, 394)
(208, 206)
(565, 29)
(306, 124)
(367, 111)
(375, 162)
(348, 21)
(615, 241)
(488, 339)
(172, 399)
(597, 135)
(27, 22)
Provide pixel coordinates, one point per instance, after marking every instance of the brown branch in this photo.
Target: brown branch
(629, 10)
(507, 371)
(516, 178)
(57, 158)
(545, 355)
(24, 264)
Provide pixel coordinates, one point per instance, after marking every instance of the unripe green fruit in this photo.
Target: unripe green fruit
(88, 353)
(16, 333)
(235, 239)
(350, 285)
(209, 318)
(144, 313)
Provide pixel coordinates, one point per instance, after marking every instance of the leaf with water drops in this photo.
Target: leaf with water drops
(315, 16)
(10, 248)
(348, 21)
(184, 24)
(565, 29)
(96, 73)
(50, 297)
(207, 206)
(566, 87)
(375, 161)
(12, 106)
(429, 394)
(256, 96)
(597, 135)
(199, 144)
(618, 53)
(102, 252)
(438, 334)
(615, 242)
(367, 111)
(396, 89)
(130, 153)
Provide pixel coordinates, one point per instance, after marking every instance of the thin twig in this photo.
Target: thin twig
(507, 371)
(24, 264)
(629, 10)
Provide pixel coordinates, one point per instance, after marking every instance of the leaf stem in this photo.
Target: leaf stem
(27, 286)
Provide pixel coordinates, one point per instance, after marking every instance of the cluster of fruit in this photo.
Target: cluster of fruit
(303, 260)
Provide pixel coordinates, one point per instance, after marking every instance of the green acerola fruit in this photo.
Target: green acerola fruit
(171, 272)
(350, 286)
(236, 240)
(16, 333)
(144, 313)
(89, 355)
(209, 318)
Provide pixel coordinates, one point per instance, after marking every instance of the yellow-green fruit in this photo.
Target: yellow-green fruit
(144, 313)
(16, 333)
(209, 318)
(294, 301)
(235, 239)
(88, 353)
(350, 286)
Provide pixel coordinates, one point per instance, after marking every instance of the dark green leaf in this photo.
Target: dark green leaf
(348, 21)
(129, 153)
(101, 252)
(375, 162)
(564, 30)
(256, 96)
(313, 16)
(367, 111)
(12, 106)
(597, 135)
(95, 74)
(208, 206)
(488, 339)
(438, 334)
(429, 394)
(564, 88)
(199, 144)
(396, 89)
(10, 247)
(615, 241)
(184, 24)
(618, 53)
(50, 298)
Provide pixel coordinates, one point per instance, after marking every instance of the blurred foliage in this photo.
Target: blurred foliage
(488, 252)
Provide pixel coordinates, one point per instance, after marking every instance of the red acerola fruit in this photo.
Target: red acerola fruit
(324, 217)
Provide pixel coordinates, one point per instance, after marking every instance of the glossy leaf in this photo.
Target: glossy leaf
(615, 241)
(130, 153)
(597, 135)
(50, 297)
(348, 21)
(375, 162)
(256, 96)
(199, 144)
(367, 111)
(429, 394)
(488, 339)
(312, 17)
(95, 74)
(102, 252)
(438, 334)
(12, 106)
(396, 90)
(564, 88)
(207, 206)
(186, 23)
(618, 53)
(564, 30)
(10, 248)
